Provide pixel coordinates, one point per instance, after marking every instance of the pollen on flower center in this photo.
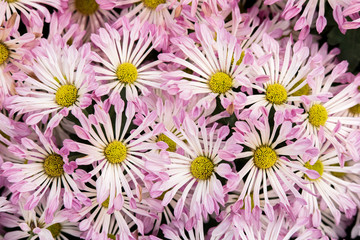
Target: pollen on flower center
(152, 4)
(220, 83)
(4, 53)
(55, 230)
(264, 157)
(168, 141)
(305, 90)
(126, 73)
(11, 1)
(355, 109)
(202, 168)
(318, 115)
(86, 7)
(53, 165)
(115, 152)
(105, 203)
(276, 94)
(318, 166)
(66, 95)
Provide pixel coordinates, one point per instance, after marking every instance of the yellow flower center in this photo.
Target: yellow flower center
(86, 7)
(318, 166)
(105, 203)
(152, 4)
(111, 236)
(55, 229)
(11, 1)
(318, 115)
(53, 165)
(126, 73)
(276, 94)
(338, 174)
(220, 83)
(4, 53)
(202, 168)
(168, 141)
(264, 157)
(305, 90)
(355, 109)
(115, 152)
(66, 95)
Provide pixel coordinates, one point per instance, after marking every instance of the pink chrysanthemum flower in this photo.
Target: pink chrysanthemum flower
(60, 79)
(321, 120)
(123, 64)
(196, 171)
(89, 15)
(216, 67)
(11, 49)
(118, 156)
(236, 227)
(33, 225)
(268, 161)
(28, 7)
(44, 173)
(280, 80)
(100, 221)
(333, 189)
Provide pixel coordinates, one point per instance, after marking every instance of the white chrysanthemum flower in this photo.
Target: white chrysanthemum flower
(33, 225)
(330, 186)
(268, 163)
(100, 221)
(122, 66)
(89, 15)
(217, 66)
(60, 78)
(114, 151)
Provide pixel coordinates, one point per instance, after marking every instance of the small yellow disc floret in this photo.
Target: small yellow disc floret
(152, 4)
(53, 165)
(264, 157)
(276, 94)
(4, 53)
(115, 152)
(105, 203)
(86, 7)
(168, 141)
(318, 166)
(126, 73)
(202, 168)
(66, 95)
(318, 115)
(355, 109)
(220, 83)
(305, 90)
(55, 230)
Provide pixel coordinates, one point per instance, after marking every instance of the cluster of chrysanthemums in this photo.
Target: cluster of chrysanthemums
(176, 119)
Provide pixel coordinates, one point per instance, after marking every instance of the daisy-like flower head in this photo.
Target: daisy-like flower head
(60, 79)
(197, 171)
(12, 49)
(28, 7)
(32, 224)
(280, 80)
(117, 154)
(123, 62)
(216, 65)
(43, 173)
(331, 186)
(321, 120)
(267, 152)
(101, 221)
(89, 15)
(236, 227)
